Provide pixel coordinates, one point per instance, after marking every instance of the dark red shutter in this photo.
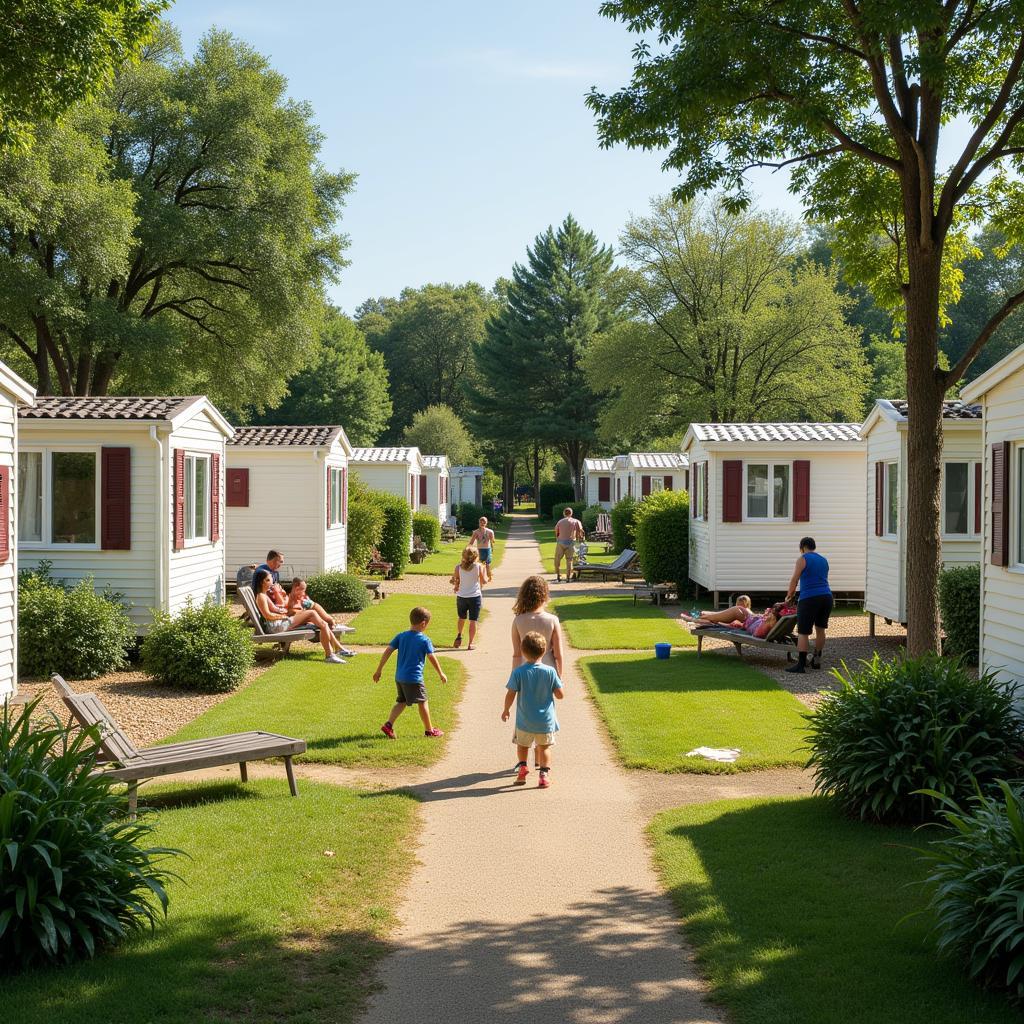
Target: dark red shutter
(1001, 503)
(5, 513)
(423, 490)
(977, 497)
(604, 488)
(694, 470)
(344, 496)
(215, 497)
(237, 488)
(879, 494)
(707, 499)
(329, 482)
(668, 483)
(645, 486)
(116, 499)
(179, 499)
(801, 491)
(732, 491)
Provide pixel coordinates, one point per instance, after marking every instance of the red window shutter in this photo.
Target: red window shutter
(179, 498)
(344, 496)
(879, 495)
(237, 482)
(604, 488)
(5, 513)
(732, 491)
(116, 499)
(215, 497)
(668, 483)
(329, 484)
(1001, 503)
(802, 491)
(977, 497)
(423, 490)
(645, 486)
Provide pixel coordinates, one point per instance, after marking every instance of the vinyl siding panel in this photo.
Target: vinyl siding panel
(883, 592)
(8, 571)
(434, 504)
(701, 531)
(335, 539)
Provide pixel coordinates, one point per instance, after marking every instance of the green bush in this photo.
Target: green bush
(71, 630)
(662, 528)
(427, 527)
(365, 524)
(203, 648)
(490, 487)
(75, 878)
(976, 884)
(338, 591)
(623, 517)
(896, 728)
(394, 544)
(960, 603)
(469, 515)
(588, 517)
(554, 496)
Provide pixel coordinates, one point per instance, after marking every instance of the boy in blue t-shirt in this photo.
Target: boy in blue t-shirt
(537, 687)
(414, 648)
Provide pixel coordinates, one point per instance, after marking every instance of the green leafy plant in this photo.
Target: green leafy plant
(960, 604)
(623, 518)
(897, 728)
(588, 517)
(204, 648)
(338, 591)
(427, 527)
(469, 515)
(71, 630)
(394, 542)
(365, 523)
(74, 877)
(662, 528)
(554, 496)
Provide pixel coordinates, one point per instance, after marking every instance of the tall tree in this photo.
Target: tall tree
(723, 325)
(855, 98)
(438, 430)
(533, 386)
(176, 233)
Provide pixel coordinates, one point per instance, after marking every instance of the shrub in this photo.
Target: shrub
(75, 876)
(338, 591)
(365, 523)
(623, 517)
(588, 517)
(662, 528)
(960, 602)
(490, 487)
(74, 631)
(976, 888)
(554, 496)
(427, 527)
(469, 515)
(394, 544)
(204, 648)
(895, 728)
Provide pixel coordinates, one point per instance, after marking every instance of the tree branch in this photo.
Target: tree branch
(954, 374)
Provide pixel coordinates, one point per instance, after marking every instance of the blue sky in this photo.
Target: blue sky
(464, 121)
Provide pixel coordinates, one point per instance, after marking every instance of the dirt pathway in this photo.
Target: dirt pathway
(522, 904)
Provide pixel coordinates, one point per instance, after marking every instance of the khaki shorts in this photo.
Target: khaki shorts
(527, 739)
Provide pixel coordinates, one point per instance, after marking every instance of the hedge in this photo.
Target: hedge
(394, 544)
(588, 517)
(662, 526)
(426, 526)
(365, 524)
(338, 591)
(554, 495)
(960, 604)
(623, 516)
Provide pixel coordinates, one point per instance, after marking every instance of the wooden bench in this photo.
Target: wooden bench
(131, 765)
(657, 592)
(285, 639)
(376, 566)
(780, 637)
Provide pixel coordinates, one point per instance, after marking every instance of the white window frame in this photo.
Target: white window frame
(700, 499)
(337, 495)
(657, 484)
(771, 517)
(191, 460)
(1017, 506)
(885, 500)
(47, 521)
(973, 527)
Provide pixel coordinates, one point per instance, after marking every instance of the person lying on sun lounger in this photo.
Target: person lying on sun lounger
(739, 616)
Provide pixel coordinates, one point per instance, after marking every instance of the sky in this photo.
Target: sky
(465, 123)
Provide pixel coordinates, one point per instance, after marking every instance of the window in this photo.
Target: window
(197, 497)
(700, 509)
(657, 484)
(892, 498)
(957, 494)
(337, 495)
(768, 490)
(57, 497)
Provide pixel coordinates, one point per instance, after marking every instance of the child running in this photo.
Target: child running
(534, 688)
(414, 648)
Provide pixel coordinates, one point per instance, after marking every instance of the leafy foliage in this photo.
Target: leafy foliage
(623, 517)
(895, 729)
(427, 527)
(662, 530)
(960, 604)
(554, 496)
(338, 591)
(394, 541)
(75, 878)
(438, 430)
(365, 523)
(203, 648)
(469, 515)
(588, 517)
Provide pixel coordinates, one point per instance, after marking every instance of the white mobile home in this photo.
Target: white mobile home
(639, 474)
(14, 394)
(434, 486)
(128, 491)
(885, 434)
(597, 481)
(1000, 391)
(467, 485)
(757, 488)
(392, 470)
(287, 488)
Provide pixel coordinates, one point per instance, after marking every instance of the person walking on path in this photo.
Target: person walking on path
(568, 530)
(815, 605)
(533, 688)
(483, 538)
(468, 579)
(530, 617)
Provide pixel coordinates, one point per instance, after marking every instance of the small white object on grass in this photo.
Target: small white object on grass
(726, 754)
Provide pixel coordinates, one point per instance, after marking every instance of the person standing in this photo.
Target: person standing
(468, 579)
(568, 530)
(815, 605)
(530, 617)
(483, 538)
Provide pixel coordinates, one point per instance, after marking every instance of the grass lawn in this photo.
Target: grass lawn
(796, 917)
(263, 926)
(337, 710)
(658, 710)
(381, 621)
(596, 623)
(441, 562)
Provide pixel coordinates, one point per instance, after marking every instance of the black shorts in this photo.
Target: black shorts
(469, 607)
(813, 612)
(410, 693)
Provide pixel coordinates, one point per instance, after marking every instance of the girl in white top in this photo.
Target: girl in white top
(468, 579)
(531, 618)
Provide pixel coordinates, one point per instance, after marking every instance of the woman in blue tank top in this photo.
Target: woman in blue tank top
(813, 609)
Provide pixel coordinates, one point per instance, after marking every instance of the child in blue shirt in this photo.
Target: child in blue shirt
(414, 648)
(533, 688)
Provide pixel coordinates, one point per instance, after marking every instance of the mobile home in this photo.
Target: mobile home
(466, 485)
(392, 470)
(434, 486)
(638, 474)
(598, 475)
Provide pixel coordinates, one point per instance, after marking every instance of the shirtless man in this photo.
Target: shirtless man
(567, 531)
(483, 538)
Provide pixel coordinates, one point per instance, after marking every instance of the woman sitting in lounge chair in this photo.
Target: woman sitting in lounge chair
(739, 616)
(277, 620)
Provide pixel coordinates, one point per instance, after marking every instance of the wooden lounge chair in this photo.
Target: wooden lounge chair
(376, 566)
(282, 640)
(780, 637)
(131, 765)
(450, 529)
(624, 567)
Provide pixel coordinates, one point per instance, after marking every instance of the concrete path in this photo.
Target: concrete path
(531, 905)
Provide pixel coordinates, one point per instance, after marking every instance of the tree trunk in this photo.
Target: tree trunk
(536, 471)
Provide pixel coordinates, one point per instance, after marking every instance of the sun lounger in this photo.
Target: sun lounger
(129, 764)
(780, 637)
(624, 567)
(288, 637)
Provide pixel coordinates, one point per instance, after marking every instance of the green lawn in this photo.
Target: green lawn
(544, 531)
(797, 917)
(379, 623)
(596, 623)
(337, 710)
(656, 711)
(263, 927)
(442, 562)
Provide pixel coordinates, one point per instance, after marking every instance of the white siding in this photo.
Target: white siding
(593, 492)
(884, 591)
(335, 538)
(8, 571)
(434, 503)
(701, 530)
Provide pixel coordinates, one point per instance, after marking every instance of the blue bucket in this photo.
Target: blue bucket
(662, 651)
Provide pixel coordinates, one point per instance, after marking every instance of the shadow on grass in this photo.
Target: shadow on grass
(683, 672)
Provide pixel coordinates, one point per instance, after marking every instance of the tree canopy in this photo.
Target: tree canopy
(438, 430)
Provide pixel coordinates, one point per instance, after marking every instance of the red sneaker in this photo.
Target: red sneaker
(432, 733)
(543, 782)
(521, 775)
(389, 730)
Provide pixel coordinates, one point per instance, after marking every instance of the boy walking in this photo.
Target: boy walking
(414, 648)
(533, 688)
